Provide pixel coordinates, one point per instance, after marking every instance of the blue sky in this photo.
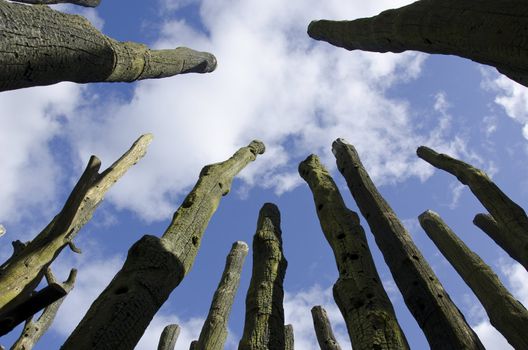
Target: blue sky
(276, 84)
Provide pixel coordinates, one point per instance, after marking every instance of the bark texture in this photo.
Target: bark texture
(288, 337)
(155, 266)
(85, 3)
(486, 31)
(41, 46)
(366, 308)
(323, 329)
(168, 337)
(510, 217)
(33, 330)
(264, 323)
(214, 331)
(443, 324)
(20, 275)
(505, 312)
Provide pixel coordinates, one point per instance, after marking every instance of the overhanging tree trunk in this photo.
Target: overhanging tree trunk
(264, 323)
(323, 329)
(366, 308)
(155, 266)
(443, 324)
(168, 337)
(20, 275)
(511, 218)
(34, 330)
(505, 312)
(41, 46)
(486, 31)
(214, 331)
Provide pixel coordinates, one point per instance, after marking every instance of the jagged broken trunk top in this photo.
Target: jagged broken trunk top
(486, 31)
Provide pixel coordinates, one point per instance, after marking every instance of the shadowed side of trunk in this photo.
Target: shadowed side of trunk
(443, 324)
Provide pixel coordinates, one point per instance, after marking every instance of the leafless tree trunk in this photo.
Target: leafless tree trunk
(323, 329)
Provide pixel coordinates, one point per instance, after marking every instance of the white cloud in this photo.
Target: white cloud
(297, 311)
(273, 83)
(31, 119)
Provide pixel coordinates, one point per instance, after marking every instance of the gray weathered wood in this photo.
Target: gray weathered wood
(289, 340)
(168, 337)
(443, 324)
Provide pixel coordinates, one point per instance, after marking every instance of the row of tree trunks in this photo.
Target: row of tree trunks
(41, 46)
(509, 223)
(505, 312)
(443, 324)
(264, 323)
(20, 275)
(366, 308)
(155, 266)
(486, 31)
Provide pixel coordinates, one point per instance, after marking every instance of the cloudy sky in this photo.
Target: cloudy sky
(275, 84)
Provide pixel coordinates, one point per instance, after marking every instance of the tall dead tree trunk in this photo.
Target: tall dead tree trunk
(168, 337)
(512, 221)
(41, 46)
(443, 324)
(323, 329)
(505, 312)
(21, 274)
(366, 308)
(288, 337)
(155, 266)
(214, 331)
(486, 31)
(264, 323)
(85, 3)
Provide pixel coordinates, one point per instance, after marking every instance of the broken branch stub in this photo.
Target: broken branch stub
(443, 324)
(264, 321)
(485, 31)
(22, 273)
(214, 331)
(511, 230)
(68, 48)
(366, 308)
(155, 266)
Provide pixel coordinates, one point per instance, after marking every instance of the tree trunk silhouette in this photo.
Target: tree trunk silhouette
(485, 31)
(41, 46)
(443, 324)
(511, 231)
(505, 312)
(214, 331)
(155, 266)
(366, 308)
(323, 329)
(264, 322)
